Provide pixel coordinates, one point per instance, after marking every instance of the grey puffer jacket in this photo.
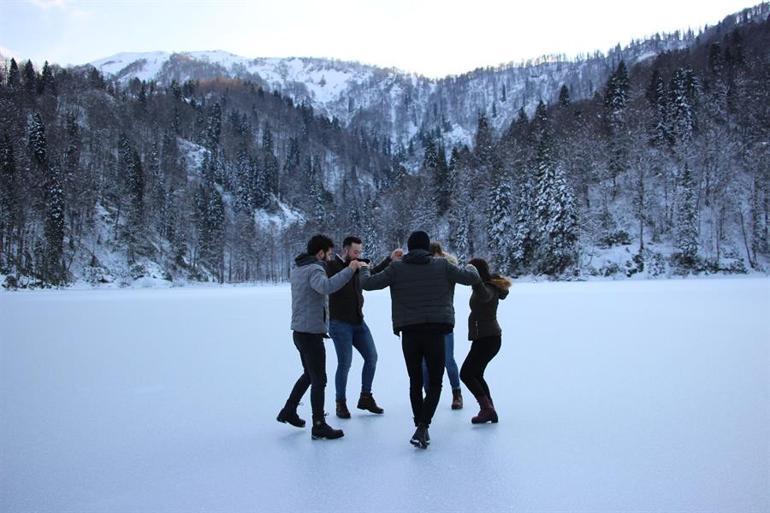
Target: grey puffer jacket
(310, 289)
(421, 288)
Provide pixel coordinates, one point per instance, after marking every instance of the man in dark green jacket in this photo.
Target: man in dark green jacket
(422, 294)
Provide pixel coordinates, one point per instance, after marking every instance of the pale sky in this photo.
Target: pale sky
(431, 37)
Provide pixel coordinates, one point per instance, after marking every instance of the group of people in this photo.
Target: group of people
(327, 301)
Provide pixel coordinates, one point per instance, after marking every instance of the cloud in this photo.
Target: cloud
(7, 53)
(47, 4)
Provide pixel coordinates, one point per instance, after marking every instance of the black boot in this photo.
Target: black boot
(289, 414)
(367, 402)
(421, 438)
(427, 435)
(342, 409)
(322, 430)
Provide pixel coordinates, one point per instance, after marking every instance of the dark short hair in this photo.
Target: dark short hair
(319, 243)
(350, 240)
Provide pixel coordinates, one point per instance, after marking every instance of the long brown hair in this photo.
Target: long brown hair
(437, 251)
(487, 277)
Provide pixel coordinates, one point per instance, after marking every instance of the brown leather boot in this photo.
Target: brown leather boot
(367, 402)
(342, 409)
(487, 412)
(457, 399)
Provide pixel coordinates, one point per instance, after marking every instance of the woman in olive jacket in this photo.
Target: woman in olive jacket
(486, 336)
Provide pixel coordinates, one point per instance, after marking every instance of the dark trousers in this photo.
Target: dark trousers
(472, 372)
(313, 355)
(426, 344)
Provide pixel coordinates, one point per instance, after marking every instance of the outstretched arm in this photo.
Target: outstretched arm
(325, 285)
(467, 276)
(376, 282)
(377, 269)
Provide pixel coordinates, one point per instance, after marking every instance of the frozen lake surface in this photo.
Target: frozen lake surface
(613, 396)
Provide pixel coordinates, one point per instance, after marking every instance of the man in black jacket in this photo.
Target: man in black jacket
(348, 329)
(422, 294)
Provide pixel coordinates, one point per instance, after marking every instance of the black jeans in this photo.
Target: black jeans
(312, 352)
(426, 343)
(472, 372)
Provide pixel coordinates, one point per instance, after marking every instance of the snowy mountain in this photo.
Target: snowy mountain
(396, 104)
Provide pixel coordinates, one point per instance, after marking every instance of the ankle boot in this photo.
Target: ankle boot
(342, 409)
(487, 412)
(323, 431)
(367, 402)
(289, 414)
(427, 435)
(457, 399)
(421, 438)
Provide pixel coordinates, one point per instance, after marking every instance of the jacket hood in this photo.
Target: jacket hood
(304, 259)
(502, 284)
(417, 256)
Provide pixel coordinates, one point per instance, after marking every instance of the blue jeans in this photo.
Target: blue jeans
(346, 336)
(450, 363)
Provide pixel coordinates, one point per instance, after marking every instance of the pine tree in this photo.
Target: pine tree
(687, 221)
(683, 97)
(8, 197)
(316, 196)
(14, 77)
(244, 194)
(657, 96)
(213, 127)
(269, 163)
(210, 222)
(441, 184)
(459, 214)
(54, 227)
(499, 225)
(564, 99)
(46, 84)
(134, 229)
(37, 140)
(29, 78)
(157, 190)
(615, 102)
(522, 241)
(484, 145)
(555, 217)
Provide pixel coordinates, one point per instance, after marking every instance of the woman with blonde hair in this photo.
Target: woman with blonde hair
(449, 343)
(486, 335)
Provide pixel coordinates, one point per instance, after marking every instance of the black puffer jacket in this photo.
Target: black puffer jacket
(421, 288)
(347, 303)
(482, 322)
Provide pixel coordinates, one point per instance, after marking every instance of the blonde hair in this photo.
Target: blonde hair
(437, 251)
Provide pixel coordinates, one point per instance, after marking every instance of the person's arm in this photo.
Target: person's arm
(329, 285)
(467, 276)
(481, 292)
(381, 266)
(376, 282)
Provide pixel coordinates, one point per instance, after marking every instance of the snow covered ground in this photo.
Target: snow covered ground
(613, 396)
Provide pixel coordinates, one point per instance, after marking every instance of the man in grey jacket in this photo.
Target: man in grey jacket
(310, 289)
(422, 295)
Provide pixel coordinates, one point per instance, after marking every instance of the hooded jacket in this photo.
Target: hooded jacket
(310, 289)
(421, 288)
(482, 321)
